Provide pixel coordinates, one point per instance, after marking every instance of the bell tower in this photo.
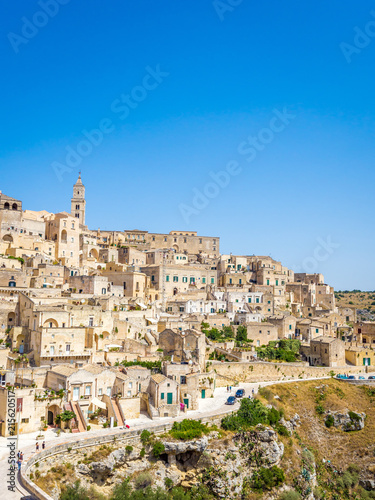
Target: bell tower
(78, 204)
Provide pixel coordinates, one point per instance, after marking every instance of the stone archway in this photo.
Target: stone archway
(52, 412)
(93, 254)
(50, 323)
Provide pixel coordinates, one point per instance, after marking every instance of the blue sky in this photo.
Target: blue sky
(307, 195)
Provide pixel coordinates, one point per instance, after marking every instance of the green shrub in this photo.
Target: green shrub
(251, 413)
(158, 449)
(329, 421)
(319, 409)
(128, 449)
(188, 430)
(354, 416)
(266, 479)
(142, 453)
(168, 483)
(145, 436)
(282, 430)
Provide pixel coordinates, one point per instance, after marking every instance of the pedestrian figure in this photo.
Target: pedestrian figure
(43, 445)
(37, 446)
(19, 464)
(18, 454)
(21, 456)
(253, 392)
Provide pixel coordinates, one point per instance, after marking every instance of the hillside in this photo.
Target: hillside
(362, 301)
(342, 449)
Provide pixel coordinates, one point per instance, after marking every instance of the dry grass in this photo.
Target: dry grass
(360, 300)
(341, 448)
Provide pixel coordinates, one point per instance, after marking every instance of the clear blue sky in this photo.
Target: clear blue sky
(228, 69)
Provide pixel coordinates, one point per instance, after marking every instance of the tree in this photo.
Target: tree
(241, 334)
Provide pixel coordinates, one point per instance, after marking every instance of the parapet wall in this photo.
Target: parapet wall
(120, 436)
(259, 371)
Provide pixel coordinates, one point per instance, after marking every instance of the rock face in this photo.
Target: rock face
(179, 447)
(348, 421)
(367, 484)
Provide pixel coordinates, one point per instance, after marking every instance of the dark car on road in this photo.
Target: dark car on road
(231, 400)
(240, 393)
(351, 377)
(371, 377)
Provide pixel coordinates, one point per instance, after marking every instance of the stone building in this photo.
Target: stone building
(325, 351)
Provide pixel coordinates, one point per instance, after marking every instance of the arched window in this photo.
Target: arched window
(64, 236)
(14, 206)
(6, 206)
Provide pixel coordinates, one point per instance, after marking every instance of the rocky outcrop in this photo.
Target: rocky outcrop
(179, 447)
(348, 421)
(291, 424)
(367, 484)
(261, 446)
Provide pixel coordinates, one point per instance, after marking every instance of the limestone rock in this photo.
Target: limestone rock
(367, 484)
(178, 447)
(348, 421)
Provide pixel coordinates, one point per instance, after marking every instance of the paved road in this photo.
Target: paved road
(207, 407)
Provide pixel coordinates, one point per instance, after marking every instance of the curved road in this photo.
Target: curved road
(207, 408)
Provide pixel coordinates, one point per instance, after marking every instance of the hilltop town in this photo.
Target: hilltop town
(100, 329)
(79, 307)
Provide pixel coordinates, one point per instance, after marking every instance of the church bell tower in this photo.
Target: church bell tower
(78, 204)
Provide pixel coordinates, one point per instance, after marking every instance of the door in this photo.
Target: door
(169, 398)
(50, 418)
(186, 403)
(203, 393)
(75, 393)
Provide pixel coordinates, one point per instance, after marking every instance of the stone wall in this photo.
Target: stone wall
(264, 372)
(131, 407)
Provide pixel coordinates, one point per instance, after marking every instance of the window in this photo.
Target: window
(88, 390)
(100, 391)
(152, 278)
(239, 281)
(167, 278)
(67, 348)
(129, 394)
(25, 420)
(175, 279)
(268, 282)
(109, 391)
(162, 395)
(257, 300)
(192, 280)
(184, 279)
(249, 300)
(104, 291)
(182, 379)
(52, 350)
(213, 280)
(77, 207)
(72, 239)
(203, 280)
(91, 321)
